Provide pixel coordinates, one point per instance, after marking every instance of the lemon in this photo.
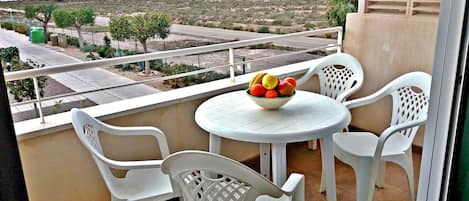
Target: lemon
(269, 81)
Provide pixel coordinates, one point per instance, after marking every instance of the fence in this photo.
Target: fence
(230, 46)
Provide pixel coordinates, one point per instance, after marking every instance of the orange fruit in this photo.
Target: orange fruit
(257, 90)
(291, 80)
(271, 94)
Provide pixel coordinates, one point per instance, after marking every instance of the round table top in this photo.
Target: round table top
(306, 116)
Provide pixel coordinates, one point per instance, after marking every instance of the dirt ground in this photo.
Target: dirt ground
(52, 88)
(228, 13)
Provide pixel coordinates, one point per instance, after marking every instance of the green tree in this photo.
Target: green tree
(150, 25)
(76, 18)
(24, 89)
(337, 11)
(120, 29)
(42, 13)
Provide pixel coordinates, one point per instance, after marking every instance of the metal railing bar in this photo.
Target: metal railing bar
(118, 86)
(171, 76)
(159, 55)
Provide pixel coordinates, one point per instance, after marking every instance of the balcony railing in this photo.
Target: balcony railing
(230, 46)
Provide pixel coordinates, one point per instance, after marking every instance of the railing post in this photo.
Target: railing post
(38, 97)
(362, 6)
(340, 34)
(231, 57)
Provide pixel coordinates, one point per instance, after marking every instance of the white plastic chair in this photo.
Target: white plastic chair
(204, 176)
(368, 153)
(340, 75)
(144, 179)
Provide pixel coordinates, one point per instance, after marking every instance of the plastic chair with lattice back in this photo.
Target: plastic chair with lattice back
(340, 75)
(367, 153)
(144, 179)
(204, 176)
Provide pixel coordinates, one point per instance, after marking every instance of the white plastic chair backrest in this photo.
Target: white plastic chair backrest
(337, 73)
(234, 181)
(87, 129)
(410, 96)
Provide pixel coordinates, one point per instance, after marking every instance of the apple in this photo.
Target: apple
(285, 88)
(291, 80)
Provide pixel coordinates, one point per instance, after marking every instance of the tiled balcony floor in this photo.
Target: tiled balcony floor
(308, 162)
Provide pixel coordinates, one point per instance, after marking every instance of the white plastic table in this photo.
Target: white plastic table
(306, 117)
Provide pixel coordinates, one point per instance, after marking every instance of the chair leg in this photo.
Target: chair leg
(322, 187)
(313, 144)
(365, 180)
(381, 173)
(405, 161)
(410, 174)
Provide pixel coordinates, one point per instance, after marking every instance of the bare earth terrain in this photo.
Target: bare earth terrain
(295, 13)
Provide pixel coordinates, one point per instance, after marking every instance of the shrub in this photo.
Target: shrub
(310, 25)
(21, 28)
(210, 24)
(167, 69)
(73, 41)
(337, 11)
(239, 28)
(250, 28)
(107, 41)
(9, 53)
(263, 29)
(282, 22)
(105, 51)
(24, 89)
(89, 48)
(226, 24)
(261, 22)
(7, 25)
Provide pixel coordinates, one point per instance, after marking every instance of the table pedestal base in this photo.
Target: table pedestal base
(264, 155)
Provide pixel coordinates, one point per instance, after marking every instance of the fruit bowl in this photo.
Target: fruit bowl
(270, 92)
(270, 103)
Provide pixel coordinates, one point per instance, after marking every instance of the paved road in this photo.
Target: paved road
(224, 34)
(76, 80)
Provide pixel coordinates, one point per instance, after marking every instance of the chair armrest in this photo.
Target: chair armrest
(128, 165)
(365, 100)
(295, 187)
(311, 71)
(393, 129)
(385, 136)
(141, 131)
(344, 95)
